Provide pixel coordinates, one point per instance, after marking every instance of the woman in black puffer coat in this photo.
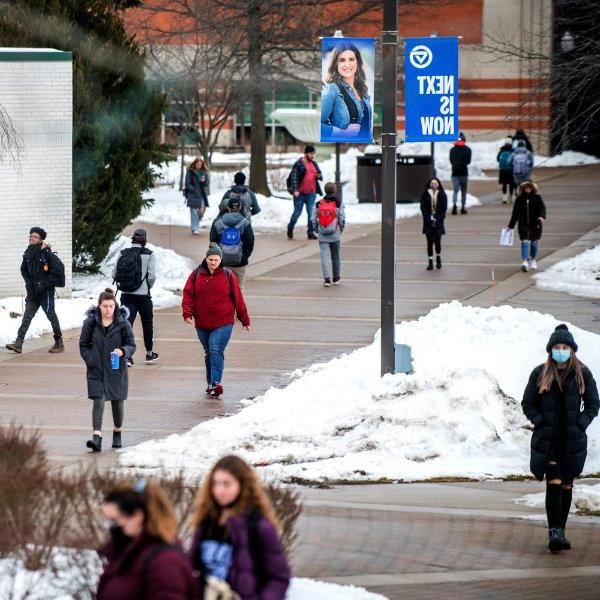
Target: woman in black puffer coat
(560, 400)
(106, 330)
(434, 205)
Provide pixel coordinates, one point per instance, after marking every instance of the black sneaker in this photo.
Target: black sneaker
(327, 283)
(152, 357)
(312, 236)
(336, 281)
(129, 362)
(454, 211)
(463, 211)
(290, 234)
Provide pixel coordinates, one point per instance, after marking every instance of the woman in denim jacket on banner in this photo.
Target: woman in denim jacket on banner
(346, 113)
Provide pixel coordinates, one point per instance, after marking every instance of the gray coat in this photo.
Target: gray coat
(336, 235)
(95, 347)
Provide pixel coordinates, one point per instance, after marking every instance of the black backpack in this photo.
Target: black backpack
(128, 274)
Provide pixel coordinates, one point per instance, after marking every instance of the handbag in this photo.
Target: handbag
(507, 237)
(217, 589)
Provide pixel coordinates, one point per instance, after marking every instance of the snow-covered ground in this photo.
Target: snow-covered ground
(585, 497)
(458, 415)
(73, 573)
(578, 276)
(172, 273)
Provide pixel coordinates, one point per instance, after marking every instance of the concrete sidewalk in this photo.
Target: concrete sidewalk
(296, 322)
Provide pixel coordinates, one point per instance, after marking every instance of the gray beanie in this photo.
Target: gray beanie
(213, 250)
(561, 335)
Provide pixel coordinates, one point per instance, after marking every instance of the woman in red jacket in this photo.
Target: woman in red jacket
(211, 298)
(144, 561)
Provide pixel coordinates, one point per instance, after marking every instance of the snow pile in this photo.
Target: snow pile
(585, 497)
(578, 276)
(172, 273)
(455, 417)
(73, 574)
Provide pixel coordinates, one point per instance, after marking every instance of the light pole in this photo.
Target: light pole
(388, 185)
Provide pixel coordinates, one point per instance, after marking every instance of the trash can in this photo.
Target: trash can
(412, 173)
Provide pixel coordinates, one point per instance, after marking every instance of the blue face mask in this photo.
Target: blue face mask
(561, 356)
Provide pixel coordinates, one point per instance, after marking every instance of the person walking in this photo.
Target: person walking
(434, 205)
(237, 545)
(521, 136)
(106, 341)
(329, 219)
(505, 174)
(240, 191)
(233, 233)
(460, 159)
(560, 401)
(143, 559)
(43, 272)
(521, 163)
(196, 184)
(135, 274)
(303, 184)
(211, 298)
(529, 212)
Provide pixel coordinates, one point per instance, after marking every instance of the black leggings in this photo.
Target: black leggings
(434, 238)
(117, 406)
(506, 186)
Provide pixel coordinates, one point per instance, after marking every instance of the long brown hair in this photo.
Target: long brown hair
(159, 516)
(194, 164)
(551, 373)
(109, 294)
(252, 494)
(360, 79)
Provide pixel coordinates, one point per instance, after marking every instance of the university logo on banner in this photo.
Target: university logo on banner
(347, 93)
(431, 89)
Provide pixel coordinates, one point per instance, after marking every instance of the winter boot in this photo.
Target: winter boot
(430, 264)
(290, 234)
(438, 261)
(566, 544)
(312, 236)
(463, 211)
(117, 443)
(555, 539)
(95, 443)
(58, 345)
(16, 346)
(454, 211)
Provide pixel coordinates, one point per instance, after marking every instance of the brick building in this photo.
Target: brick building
(496, 95)
(36, 92)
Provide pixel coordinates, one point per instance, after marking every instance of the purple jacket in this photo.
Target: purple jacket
(242, 576)
(143, 572)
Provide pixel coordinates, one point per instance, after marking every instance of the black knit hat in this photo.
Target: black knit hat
(561, 335)
(39, 231)
(309, 148)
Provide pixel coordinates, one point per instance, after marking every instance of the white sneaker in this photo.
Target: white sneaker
(533, 264)
(524, 266)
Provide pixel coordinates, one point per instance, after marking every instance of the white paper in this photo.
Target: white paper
(507, 237)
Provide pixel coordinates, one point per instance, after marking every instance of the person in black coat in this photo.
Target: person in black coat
(434, 204)
(106, 330)
(196, 183)
(560, 400)
(529, 211)
(460, 159)
(521, 136)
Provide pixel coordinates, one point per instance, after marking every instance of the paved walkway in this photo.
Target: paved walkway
(297, 322)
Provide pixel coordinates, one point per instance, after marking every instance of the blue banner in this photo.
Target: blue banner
(347, 86)
(431, 89)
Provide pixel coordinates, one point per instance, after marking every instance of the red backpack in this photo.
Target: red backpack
(327, 215)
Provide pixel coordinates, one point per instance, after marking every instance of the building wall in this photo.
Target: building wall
(36, 93)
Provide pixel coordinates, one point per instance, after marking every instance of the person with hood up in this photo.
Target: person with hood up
(529, 212)
(105, 343)
(560, 401)
(521, 136)
(42, 272)
(211, 299)
(434, 204)
(521, 163)
(245, 196)
(329, 220)
(233, 233)
(460, 159)
(505, 174)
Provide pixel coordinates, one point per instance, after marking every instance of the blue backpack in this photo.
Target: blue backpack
(231, 242)
(503, 160)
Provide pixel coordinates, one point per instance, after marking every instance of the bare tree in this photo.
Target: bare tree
(11, 141)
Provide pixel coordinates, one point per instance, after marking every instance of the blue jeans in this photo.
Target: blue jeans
(214, 342)
(195, 219)
(529, 250)
(459, 183)
(299, 202)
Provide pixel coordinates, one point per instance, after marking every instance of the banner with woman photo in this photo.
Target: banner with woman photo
(348, 80)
